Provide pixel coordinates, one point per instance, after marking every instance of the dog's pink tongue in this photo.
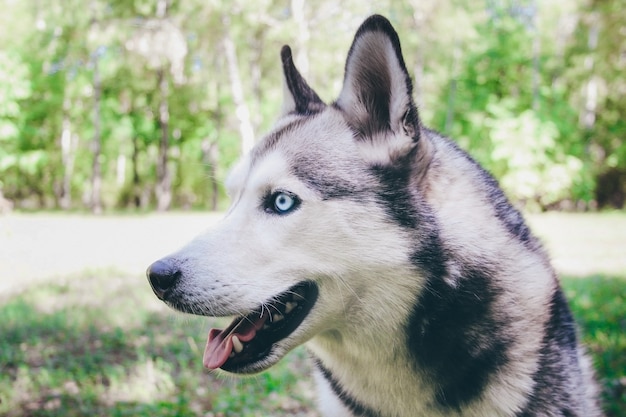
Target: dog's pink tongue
(219, 344)
(218, 348)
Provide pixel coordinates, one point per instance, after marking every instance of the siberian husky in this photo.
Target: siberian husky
(416, 286)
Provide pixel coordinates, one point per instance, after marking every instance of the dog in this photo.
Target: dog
(416, 286)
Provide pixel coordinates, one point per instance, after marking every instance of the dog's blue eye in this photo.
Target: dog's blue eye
(282, 202)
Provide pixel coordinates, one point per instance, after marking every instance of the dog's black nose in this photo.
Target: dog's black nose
(162, 275)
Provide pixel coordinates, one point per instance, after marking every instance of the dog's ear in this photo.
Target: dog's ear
(298, 96)
(377, 92)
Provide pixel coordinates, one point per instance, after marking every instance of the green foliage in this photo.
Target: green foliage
(512, 122)
(528, 158)
(506, 79)
(14, 88)
(598, 304)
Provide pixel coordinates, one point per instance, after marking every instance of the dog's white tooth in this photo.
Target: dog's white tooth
(232, 355)
(277, 317)
(266, 326)
(237, 345)
(289, 306)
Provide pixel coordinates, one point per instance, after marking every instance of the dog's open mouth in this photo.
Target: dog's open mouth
(249, 339)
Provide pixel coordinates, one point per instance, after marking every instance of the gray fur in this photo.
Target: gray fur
(432, 297)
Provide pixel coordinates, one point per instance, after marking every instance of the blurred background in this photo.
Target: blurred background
(119, 120)
(146, 103)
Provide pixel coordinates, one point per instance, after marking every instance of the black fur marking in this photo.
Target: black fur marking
(561, 325)
(314, 169)
(450, 330)
(559, 345)
(313, 173)
(352, 404)
(453, 332)
(395, 193)
(306, 100)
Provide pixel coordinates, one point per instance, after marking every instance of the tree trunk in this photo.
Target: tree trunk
(241, 108)
(163, 187)
(303, 36)
(164, 175)
(136, 187)
(210, 158)
(588, 115)
(536, 56)
(418, 68)
(121, 170)
(255, 79)
(96, 176)
(68, 146)
(456, 53)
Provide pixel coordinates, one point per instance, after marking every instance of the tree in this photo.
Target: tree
(161, 42)
(141, 103)
(14, 87)
(596, 66)
(509, 118)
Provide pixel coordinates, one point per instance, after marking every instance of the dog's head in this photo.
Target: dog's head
(319, 216)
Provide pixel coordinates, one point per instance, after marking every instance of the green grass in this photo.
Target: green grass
(91, 348)
(598, 303)
(98, 343)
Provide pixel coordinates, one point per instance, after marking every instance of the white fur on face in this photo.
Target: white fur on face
(343, 245)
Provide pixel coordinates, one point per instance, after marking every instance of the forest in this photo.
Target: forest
(144, 104)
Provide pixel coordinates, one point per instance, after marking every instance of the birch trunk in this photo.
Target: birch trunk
(68, 148)
(210, 158)
(136, 188)
(96, 176)
(236, 85)
(588, 116)
(164, 175)
(303, 36)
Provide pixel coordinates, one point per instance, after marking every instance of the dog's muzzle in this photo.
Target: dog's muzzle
(162, 276)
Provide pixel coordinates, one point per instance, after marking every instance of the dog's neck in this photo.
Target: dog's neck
(366, 361)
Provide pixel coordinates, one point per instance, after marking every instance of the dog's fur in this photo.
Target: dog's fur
(432, 297)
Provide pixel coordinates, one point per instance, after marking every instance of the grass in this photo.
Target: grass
(76, 342)
(62, 354)
(598, 305)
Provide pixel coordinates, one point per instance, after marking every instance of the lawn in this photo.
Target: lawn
(82, 334)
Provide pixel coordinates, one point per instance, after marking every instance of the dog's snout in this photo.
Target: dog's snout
(163, 275)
